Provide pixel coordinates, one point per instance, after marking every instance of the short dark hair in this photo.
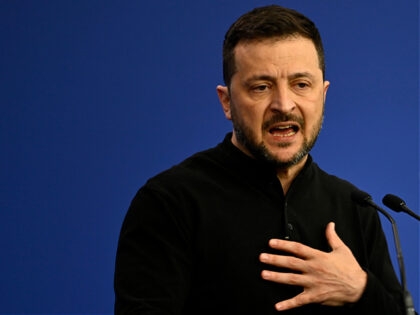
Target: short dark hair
(268, 22)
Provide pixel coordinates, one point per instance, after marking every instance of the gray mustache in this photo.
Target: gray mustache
(282, 118)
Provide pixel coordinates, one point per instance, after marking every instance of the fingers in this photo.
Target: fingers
(285, 278)
(288, 262)
(333, 239)
(332, 278)
(295, 248)
(297, 301)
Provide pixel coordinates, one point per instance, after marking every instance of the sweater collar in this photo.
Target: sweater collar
(248, 167)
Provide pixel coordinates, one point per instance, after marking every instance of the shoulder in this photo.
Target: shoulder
(192, 168)
(190, 179)
(169, 192)
(340, 191)
(330, 183)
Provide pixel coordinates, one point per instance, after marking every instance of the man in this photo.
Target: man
(253, 226)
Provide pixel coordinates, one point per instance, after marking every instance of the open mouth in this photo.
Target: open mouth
(284, 130)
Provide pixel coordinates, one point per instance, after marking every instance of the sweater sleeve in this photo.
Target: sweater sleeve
(153, 262)
(383, 293)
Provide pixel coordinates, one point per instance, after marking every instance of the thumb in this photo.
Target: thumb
(333, 239)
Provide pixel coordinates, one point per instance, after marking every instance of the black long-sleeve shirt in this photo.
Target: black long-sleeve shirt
(192, 237)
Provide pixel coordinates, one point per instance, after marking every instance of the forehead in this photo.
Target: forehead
(290, 53)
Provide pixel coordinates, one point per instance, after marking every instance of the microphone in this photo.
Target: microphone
(397, 204)
(364, 198)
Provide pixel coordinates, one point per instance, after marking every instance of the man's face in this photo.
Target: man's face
(276, 99)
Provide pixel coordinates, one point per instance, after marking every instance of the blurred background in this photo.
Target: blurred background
(98, 96)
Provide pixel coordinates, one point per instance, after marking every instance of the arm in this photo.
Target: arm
(152, 272)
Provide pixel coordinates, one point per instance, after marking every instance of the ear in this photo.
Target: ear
(224, 97)
(326, 85)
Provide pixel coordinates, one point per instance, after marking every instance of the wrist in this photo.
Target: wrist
(360, 286)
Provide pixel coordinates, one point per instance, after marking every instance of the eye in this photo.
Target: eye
(260, 88)
(302, 85)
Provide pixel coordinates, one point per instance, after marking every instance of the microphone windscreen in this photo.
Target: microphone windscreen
(360, 196)
(393, 202)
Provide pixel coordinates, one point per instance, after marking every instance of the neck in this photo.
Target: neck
(287, 175)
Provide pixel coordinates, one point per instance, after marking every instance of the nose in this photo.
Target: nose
(282, 100)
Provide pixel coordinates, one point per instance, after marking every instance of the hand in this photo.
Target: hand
(333, 278)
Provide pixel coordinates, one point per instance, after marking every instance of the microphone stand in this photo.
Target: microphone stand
(408, 300)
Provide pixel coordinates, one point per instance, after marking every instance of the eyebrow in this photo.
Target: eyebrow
(302, 75)
(260, 78)
(293, 76)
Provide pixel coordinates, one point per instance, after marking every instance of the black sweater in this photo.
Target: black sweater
(192, 237)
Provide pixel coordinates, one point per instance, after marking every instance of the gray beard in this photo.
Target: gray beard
(259, 151)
